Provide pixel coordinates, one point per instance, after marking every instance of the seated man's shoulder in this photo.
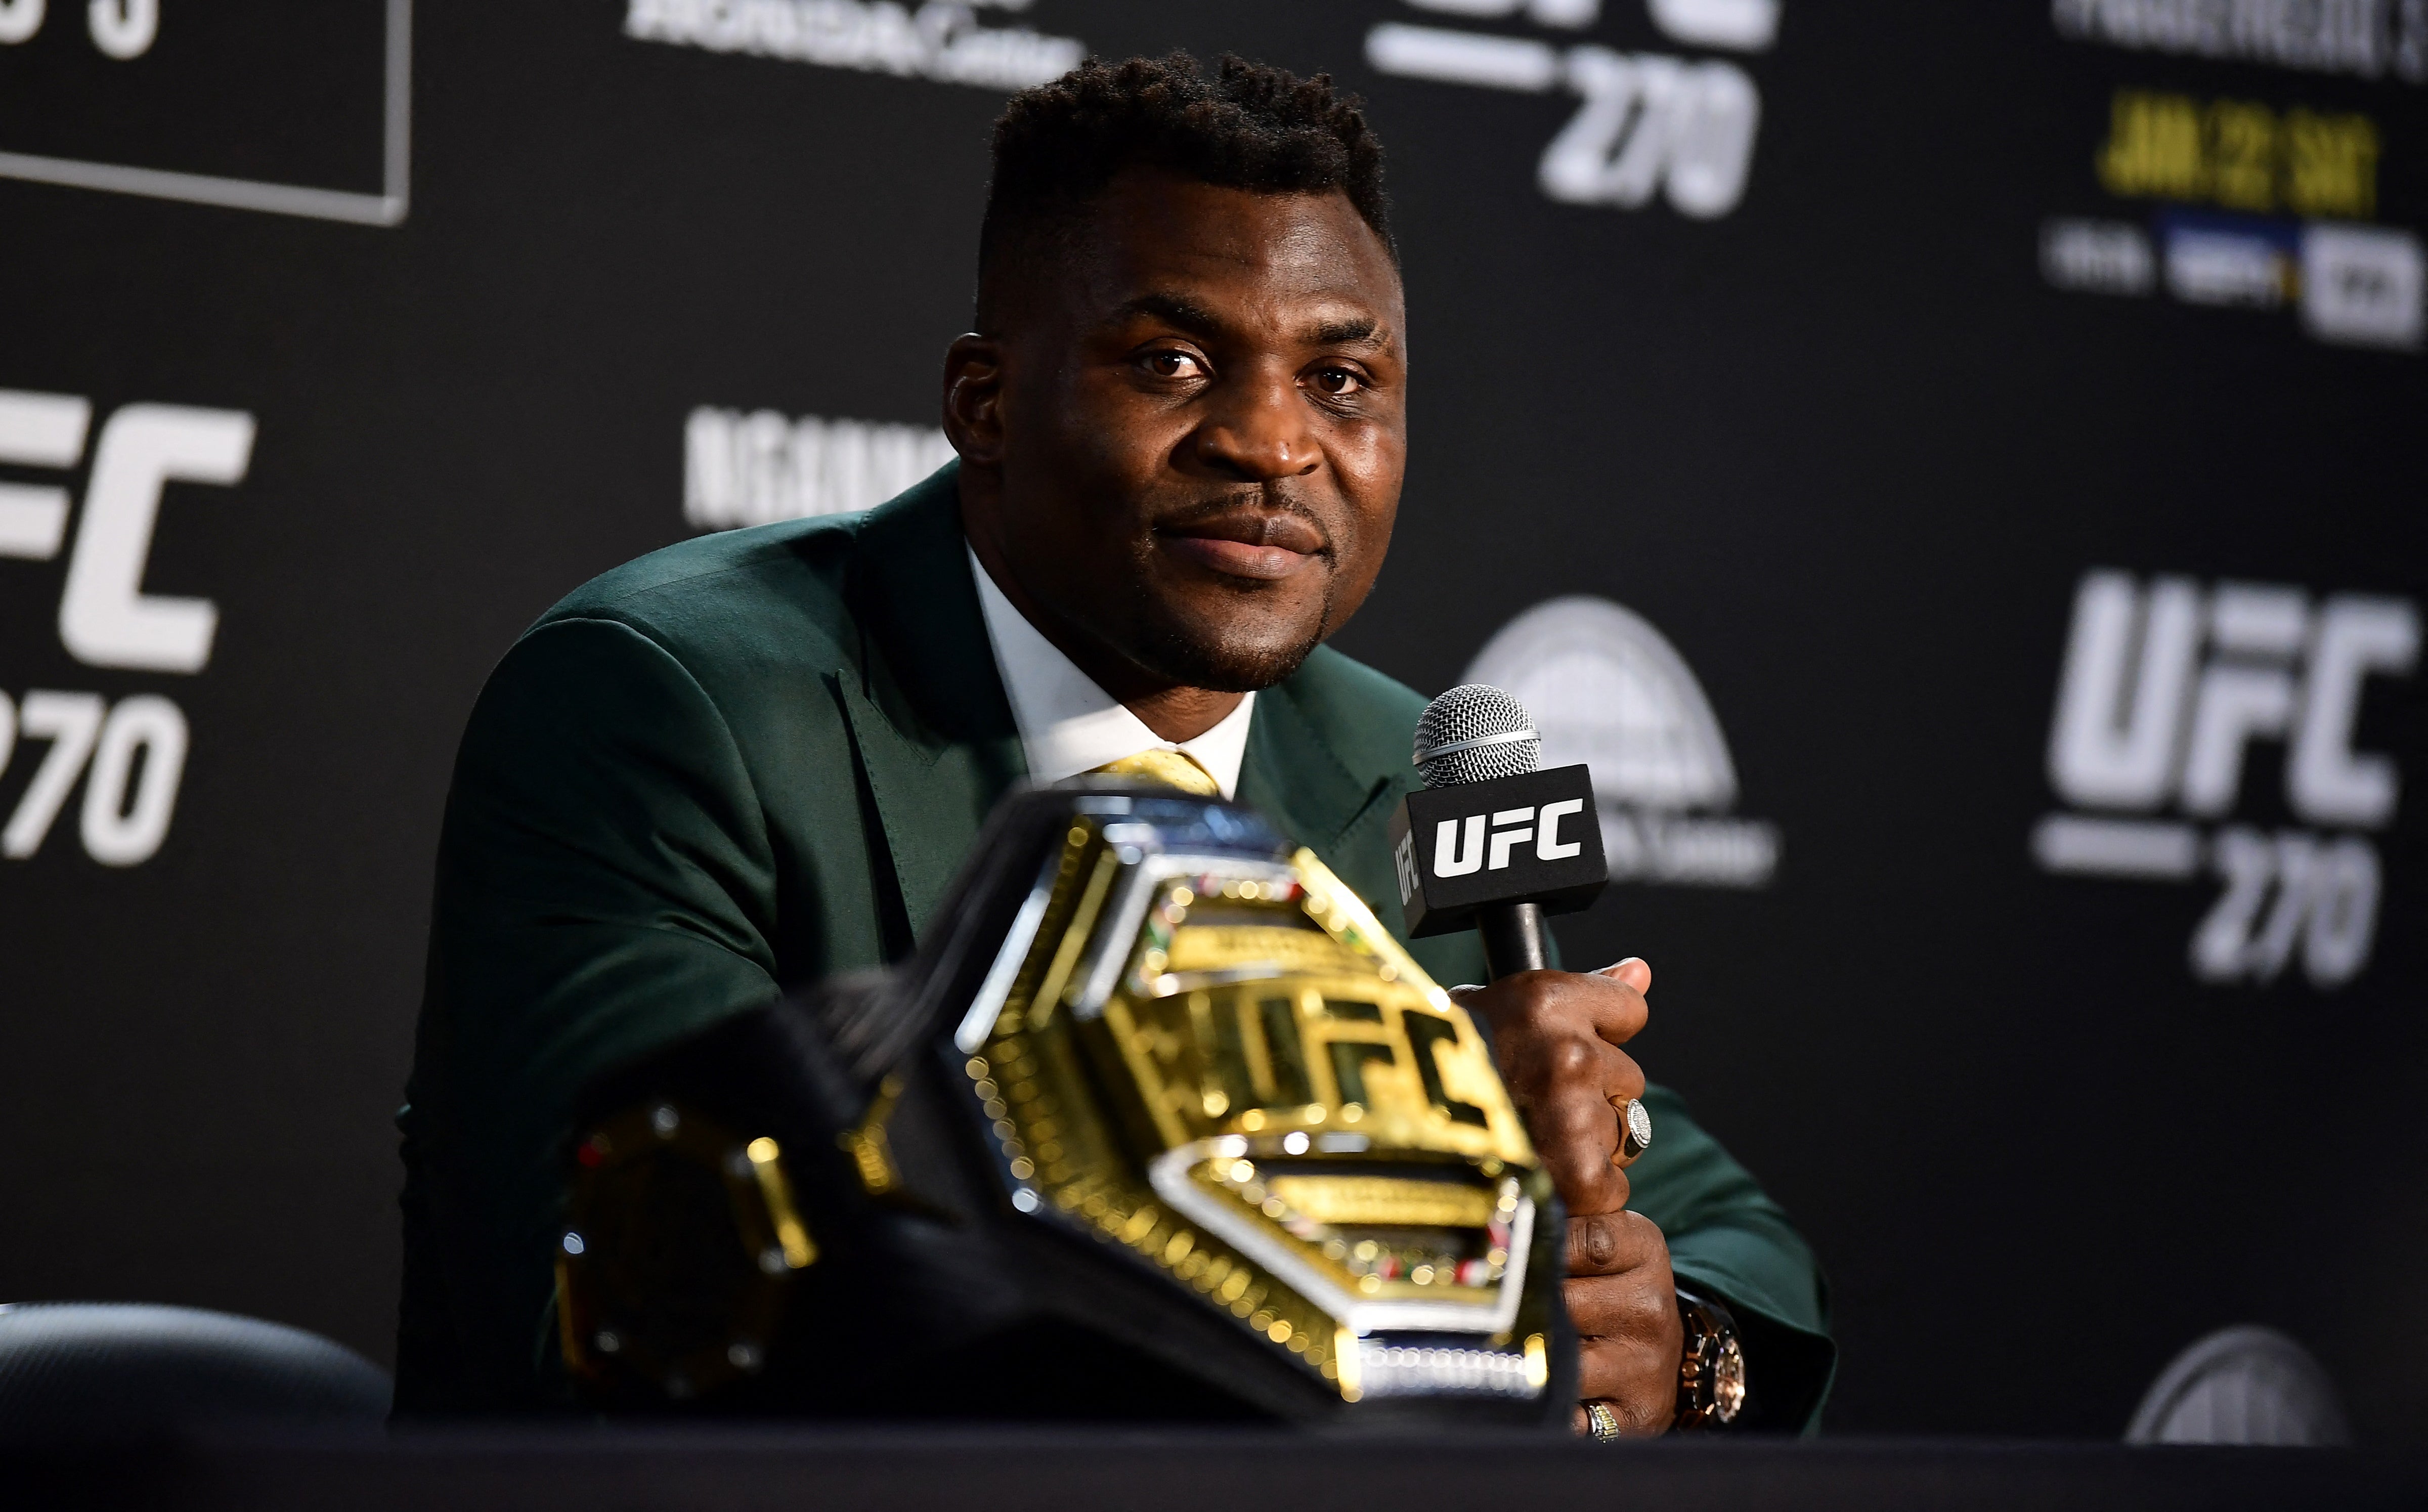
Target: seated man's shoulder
(1366, 719)
(747, 592)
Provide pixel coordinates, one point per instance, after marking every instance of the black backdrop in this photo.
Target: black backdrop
(2011, 297)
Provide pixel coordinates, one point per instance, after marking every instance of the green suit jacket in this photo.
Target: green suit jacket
(744, 762)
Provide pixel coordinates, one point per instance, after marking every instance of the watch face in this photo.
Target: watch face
(1728, 1382)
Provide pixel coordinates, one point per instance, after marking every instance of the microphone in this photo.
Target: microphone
(1490, 840)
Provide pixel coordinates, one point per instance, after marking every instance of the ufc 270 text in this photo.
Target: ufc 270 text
(129, 754)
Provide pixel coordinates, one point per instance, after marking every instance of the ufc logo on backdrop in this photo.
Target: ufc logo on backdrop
(2166, 689)
(119, 28)
(1647, 123)
(132, 753)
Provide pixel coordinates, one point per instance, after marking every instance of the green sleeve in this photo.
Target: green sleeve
(605, 885)
(1730, 1240)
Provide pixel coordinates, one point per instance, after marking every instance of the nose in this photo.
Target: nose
(1256, 431)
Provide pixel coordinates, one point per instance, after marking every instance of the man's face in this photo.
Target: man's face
(1198, 438)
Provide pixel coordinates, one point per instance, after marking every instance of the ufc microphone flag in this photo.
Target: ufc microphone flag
(1530, 838)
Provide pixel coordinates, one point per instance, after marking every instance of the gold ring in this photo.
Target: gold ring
(1634, 1131)
(1602, 1422)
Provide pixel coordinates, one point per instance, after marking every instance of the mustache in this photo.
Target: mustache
(1259, 515)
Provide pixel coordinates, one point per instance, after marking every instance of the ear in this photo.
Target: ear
(974, 398)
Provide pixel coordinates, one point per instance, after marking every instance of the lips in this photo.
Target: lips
(1265, 545)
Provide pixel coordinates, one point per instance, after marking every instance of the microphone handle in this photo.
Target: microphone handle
(1513, 938)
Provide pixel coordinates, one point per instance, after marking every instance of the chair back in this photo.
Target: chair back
(87, 1371)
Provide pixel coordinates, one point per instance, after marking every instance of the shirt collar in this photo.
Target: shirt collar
(1068, 724)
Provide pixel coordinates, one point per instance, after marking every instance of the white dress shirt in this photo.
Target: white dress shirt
(1068, 724)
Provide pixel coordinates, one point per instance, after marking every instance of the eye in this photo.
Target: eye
(1338, 382)
(1174, 364)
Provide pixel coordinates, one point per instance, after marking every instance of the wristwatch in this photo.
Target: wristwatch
(1711, 1369)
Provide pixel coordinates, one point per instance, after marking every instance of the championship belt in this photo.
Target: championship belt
(1158, 1123)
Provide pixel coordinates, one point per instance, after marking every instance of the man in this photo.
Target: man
(756, 759)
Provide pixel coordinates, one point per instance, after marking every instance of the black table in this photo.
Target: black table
(1059, 1469)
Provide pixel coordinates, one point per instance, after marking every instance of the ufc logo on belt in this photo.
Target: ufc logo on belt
(1532, 837)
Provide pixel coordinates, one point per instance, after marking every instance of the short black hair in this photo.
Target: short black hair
(1251, 127)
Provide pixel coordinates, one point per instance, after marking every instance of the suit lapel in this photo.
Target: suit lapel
(926, 710)
(1294, 777)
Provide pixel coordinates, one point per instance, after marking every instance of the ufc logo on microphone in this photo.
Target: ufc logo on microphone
(1532, 837)
(1463, 847)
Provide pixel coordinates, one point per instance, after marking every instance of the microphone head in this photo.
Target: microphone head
(1474, 733)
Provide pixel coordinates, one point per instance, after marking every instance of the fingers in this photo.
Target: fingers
(1621, 1309)
(1535, 1011)
(1557, 1036)
(1637, 1374)
(1644, 1410)
(1616, 1243)
(1624, 1303)
(1611, 1000)
(1639, 1381)
(1577, 1135)
(1614, 1000)
(1634, 972)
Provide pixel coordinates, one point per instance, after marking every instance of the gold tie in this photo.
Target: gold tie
(1175, 767)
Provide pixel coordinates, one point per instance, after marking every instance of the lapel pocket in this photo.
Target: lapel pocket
(1373, 814)
(1360, 855)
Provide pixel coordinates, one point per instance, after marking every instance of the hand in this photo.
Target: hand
(1624, 1303)
(1557, 1036)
